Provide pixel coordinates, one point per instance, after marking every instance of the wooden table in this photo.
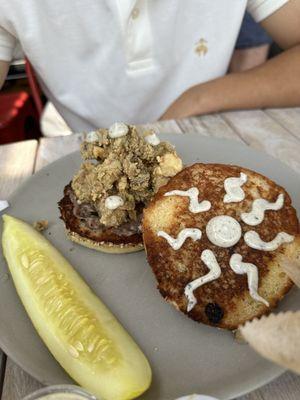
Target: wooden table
(276, 132)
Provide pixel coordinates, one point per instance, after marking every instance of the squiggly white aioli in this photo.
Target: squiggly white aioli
(239, 267)
(259, 207)
(176, 243)
(233, 188)
(253, 240)
(193, 193)
(211, 262)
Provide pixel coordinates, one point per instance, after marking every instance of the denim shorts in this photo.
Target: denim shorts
(251, 34)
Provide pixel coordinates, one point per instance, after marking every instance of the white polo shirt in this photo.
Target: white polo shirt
(101, 61)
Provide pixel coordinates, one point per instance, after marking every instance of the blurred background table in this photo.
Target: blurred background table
(276, 132)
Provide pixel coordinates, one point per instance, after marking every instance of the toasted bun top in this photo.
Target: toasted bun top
(224, 302)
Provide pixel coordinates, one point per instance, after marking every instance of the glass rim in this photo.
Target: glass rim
(61, 389)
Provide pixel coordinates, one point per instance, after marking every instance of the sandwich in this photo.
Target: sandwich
(122, 169)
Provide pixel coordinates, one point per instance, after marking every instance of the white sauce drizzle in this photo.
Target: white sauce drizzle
(114, 202)
(193, 193)
(92, 137)
(3, 205)
(253, 240)
(211, 262)
(259, 206)
(223, 231)
(118, 130)
(152, 139)
(176, 243)
(233, 188)
(239, 267)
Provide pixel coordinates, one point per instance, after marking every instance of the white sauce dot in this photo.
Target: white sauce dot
(114, 202)
(152, 139)
(118, 130)
(92, 137)
(223, 231)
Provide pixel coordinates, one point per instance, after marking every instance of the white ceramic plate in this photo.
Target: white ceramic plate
(186, 357)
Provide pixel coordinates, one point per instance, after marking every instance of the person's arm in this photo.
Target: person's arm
(4, 66)
(273, 84)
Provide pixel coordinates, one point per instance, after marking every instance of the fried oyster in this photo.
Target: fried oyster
(122, 170)
(127, 166)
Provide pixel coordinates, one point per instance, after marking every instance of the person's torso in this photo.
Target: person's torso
(106, 60)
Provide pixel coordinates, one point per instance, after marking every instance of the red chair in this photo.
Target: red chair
(20, 112)
(35, 88)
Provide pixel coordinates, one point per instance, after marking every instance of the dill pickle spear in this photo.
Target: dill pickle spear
(78, 329)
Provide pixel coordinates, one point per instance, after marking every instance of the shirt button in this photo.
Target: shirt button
(135, 13)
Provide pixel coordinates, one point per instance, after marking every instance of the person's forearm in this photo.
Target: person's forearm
(273, 84)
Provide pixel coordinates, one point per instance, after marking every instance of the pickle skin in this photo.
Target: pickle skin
(78, 329)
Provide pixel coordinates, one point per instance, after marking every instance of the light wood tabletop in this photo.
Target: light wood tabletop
(276, 132)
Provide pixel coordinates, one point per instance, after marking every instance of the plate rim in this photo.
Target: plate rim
(272, 373)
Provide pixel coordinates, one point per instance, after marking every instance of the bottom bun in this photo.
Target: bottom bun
(105, 247)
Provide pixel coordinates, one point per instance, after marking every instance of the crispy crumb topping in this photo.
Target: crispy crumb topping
(129, 167)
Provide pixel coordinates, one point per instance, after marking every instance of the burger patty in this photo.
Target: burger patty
(84, 220)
